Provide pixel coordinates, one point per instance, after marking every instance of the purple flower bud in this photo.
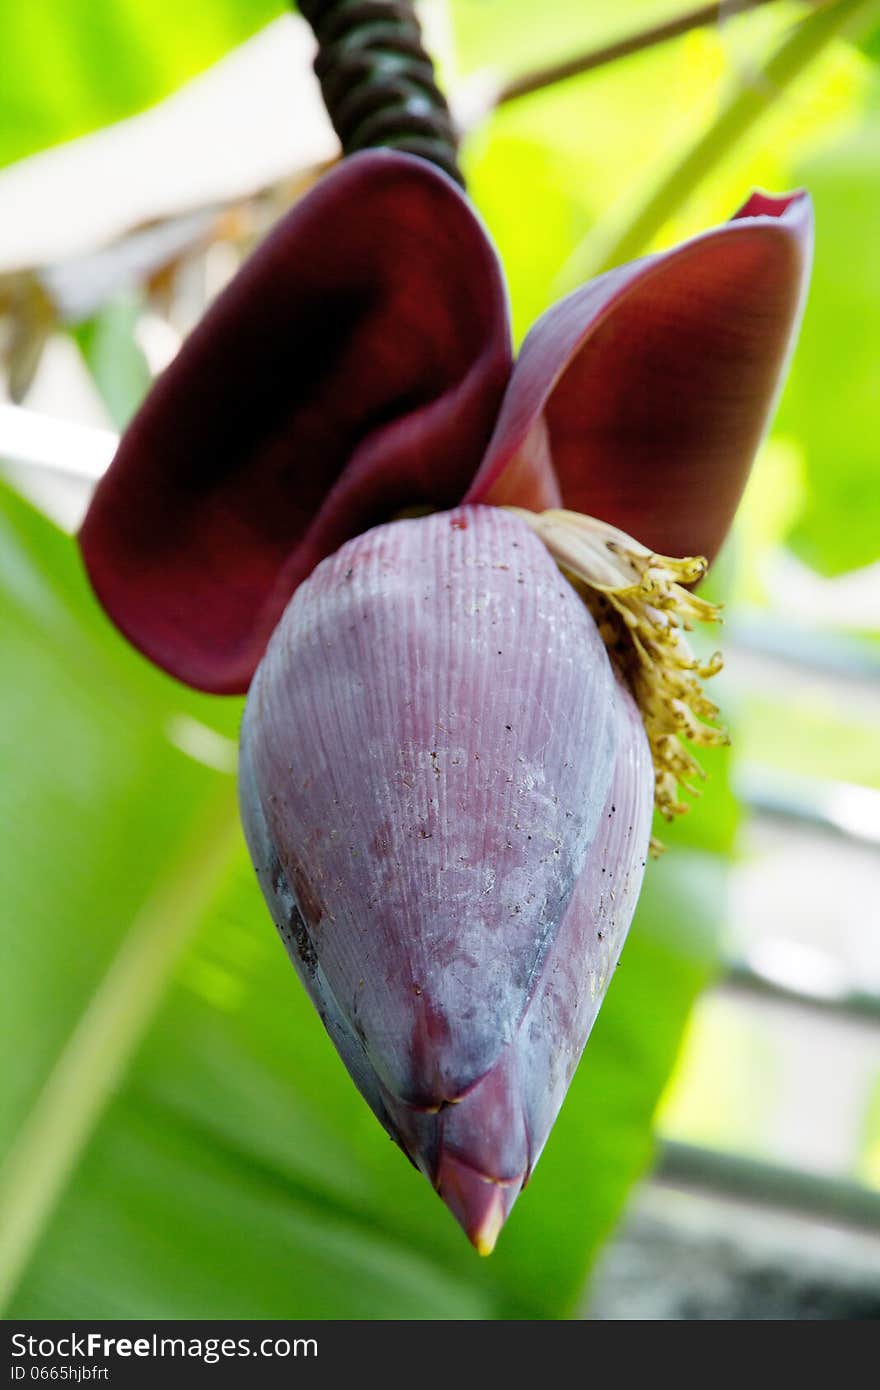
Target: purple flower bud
(445, 786)
(447, 795)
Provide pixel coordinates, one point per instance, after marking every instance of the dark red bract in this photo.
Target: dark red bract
(360, 364)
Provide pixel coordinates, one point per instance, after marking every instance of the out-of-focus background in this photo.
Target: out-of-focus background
(179, 1138)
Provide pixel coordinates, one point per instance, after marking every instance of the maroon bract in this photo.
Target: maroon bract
(359, 364)
(445, 781)
(641, 397)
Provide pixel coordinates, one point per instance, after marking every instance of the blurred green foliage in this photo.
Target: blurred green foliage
(112, 354)
(233, 1171)
(833, 401)
(810, 735)
(72, 67)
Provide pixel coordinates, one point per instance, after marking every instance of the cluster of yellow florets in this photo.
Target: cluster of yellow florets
(643, 611)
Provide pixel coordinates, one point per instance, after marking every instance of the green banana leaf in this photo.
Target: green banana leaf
(830, 405)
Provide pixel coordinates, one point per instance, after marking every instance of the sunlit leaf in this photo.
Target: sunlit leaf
(831, 405)
(114, 358)
(73, 65)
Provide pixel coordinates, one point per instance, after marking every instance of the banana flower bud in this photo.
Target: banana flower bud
(457, 721)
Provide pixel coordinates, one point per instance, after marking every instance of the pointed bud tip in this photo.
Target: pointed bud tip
(480, 1204)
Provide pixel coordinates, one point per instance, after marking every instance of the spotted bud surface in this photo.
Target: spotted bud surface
(447, 794)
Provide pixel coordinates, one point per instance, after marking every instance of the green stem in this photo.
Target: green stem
(803, 44)
(623, 48)
(93, 1062)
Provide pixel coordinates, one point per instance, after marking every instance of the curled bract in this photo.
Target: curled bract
(360, 364)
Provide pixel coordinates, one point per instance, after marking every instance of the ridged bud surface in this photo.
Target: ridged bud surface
(447, 795)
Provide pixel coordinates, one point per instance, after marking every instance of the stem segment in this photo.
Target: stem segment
(622, 48)
(378, 81)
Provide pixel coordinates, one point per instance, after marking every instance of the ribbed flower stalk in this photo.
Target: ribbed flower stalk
(377, 80)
